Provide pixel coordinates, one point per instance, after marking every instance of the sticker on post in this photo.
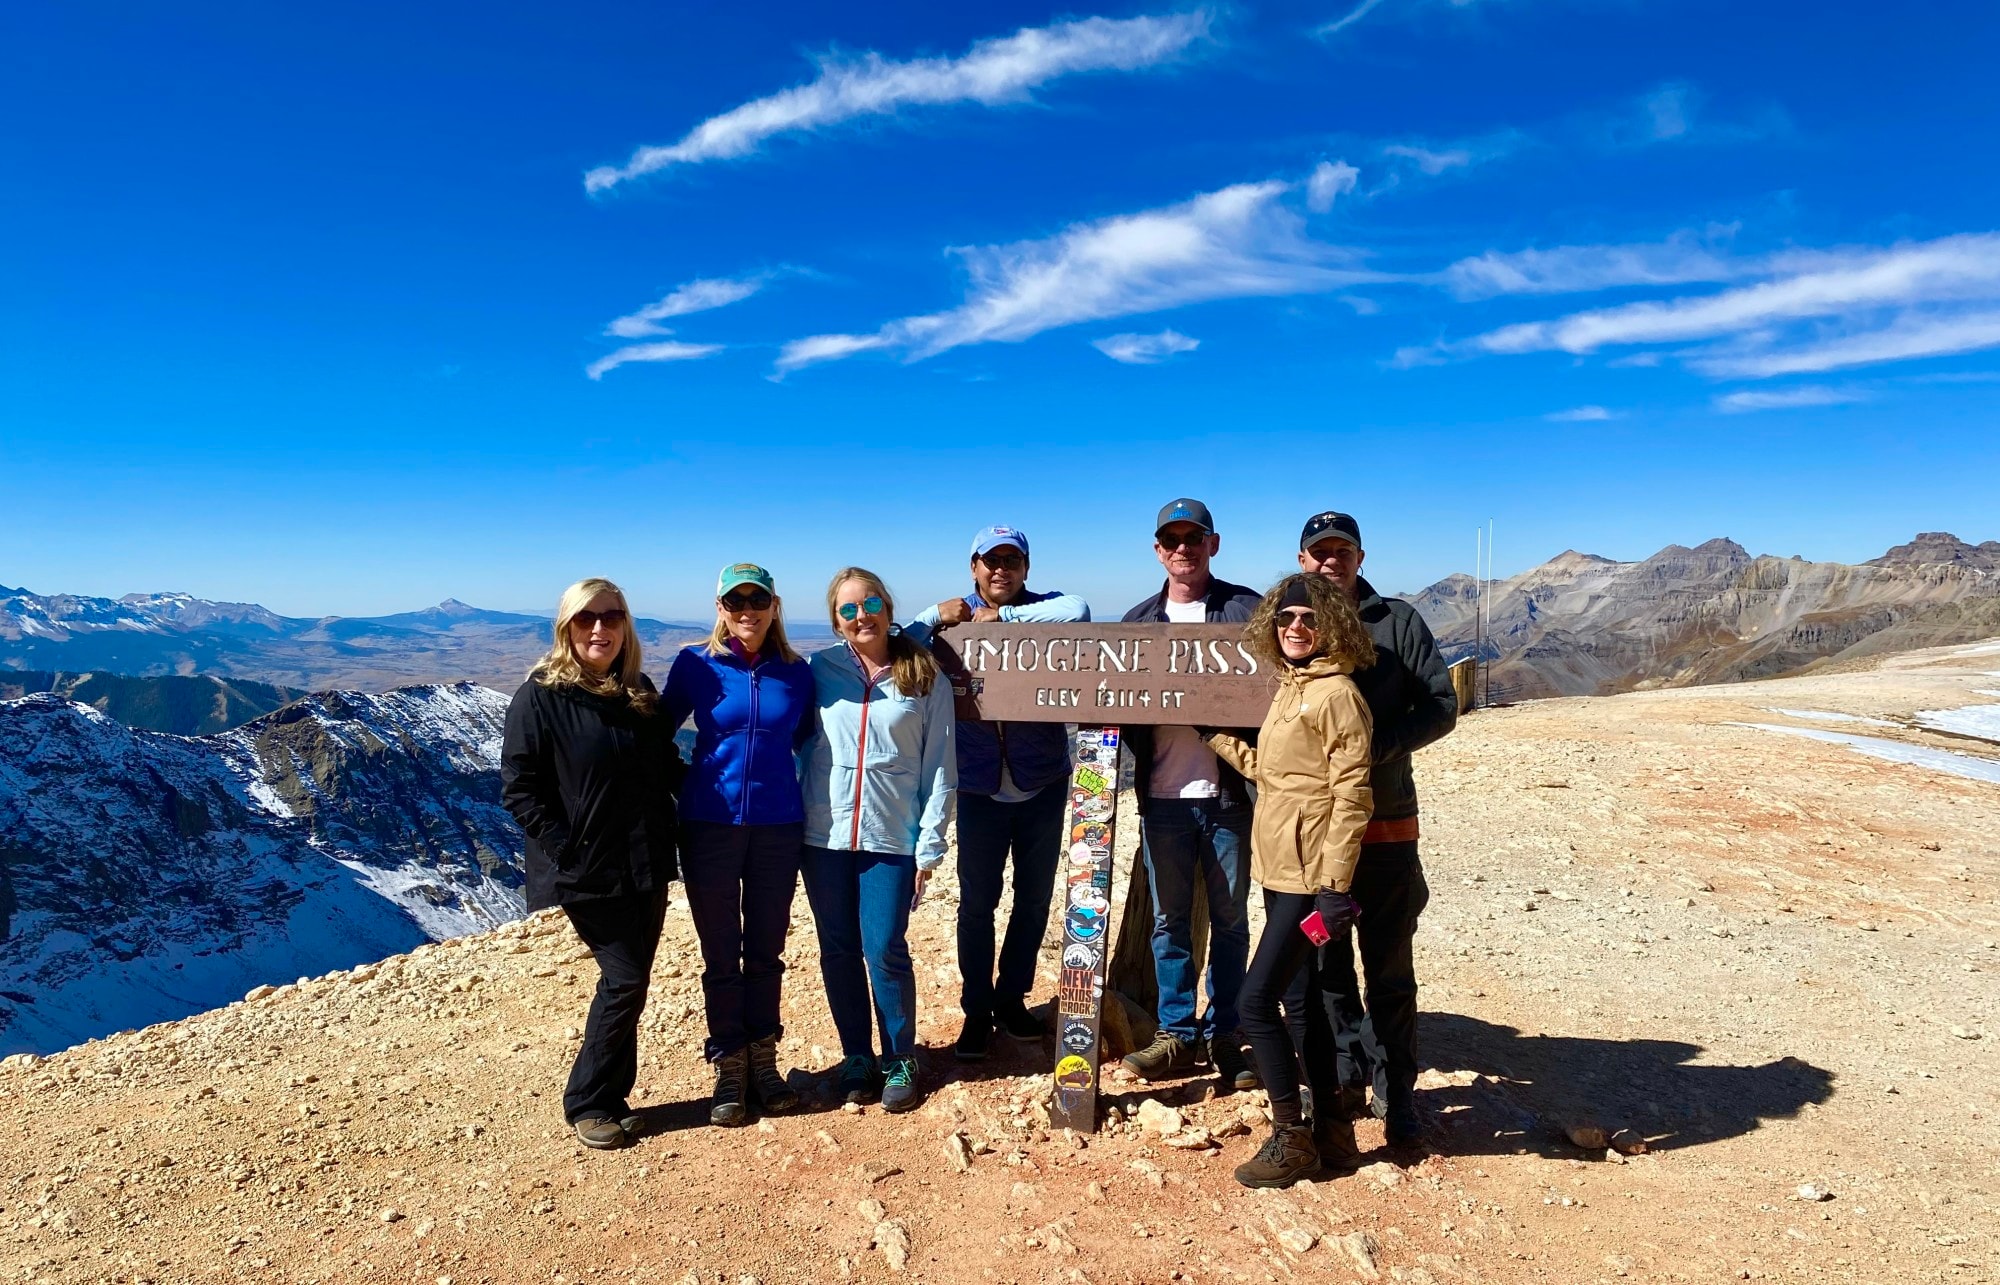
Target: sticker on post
(1073, 1073)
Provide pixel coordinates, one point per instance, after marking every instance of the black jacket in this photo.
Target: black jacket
(1226, 602)
(1409, 693)
(592, 782)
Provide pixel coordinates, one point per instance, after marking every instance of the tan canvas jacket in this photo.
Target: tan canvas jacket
(1310, 766)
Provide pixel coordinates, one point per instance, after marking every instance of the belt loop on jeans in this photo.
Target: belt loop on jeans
(1400, 830)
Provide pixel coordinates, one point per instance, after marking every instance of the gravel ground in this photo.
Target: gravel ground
(1755, 974)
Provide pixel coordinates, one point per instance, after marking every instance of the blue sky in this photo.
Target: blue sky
(348, 310)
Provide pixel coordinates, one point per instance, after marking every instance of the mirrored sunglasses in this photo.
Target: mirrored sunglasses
(869, 606)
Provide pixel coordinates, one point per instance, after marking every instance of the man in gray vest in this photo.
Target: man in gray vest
(1410, 695)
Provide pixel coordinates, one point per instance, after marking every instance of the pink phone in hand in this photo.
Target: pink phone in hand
(1315, 929)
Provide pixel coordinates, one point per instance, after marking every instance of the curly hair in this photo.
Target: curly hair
(1341, 633)
(561, 667)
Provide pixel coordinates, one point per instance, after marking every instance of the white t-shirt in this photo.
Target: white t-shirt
(1183, 768)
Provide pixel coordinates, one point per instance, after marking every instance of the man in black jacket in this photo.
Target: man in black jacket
(1410, 695)
(1194, 824)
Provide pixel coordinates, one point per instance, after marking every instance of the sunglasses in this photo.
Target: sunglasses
(750, 600)
(869, 606)
(1192, 540)
(1298, 618)
(588, 619)
(1004, 561)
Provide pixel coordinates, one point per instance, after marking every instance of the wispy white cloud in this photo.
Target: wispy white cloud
(1904, 339)
(1429, 161)
(1573, 269)
(994, 71)
(666, 350)
(1236, 242)
(1352, 16)
(1787, 399)
(695, 296)
(1848, 284)
(1580, 415)
(1145, 350)
(1329, 181)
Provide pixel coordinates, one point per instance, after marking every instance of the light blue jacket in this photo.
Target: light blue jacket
(881, 773)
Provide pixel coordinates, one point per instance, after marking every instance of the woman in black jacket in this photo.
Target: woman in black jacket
(589, 769)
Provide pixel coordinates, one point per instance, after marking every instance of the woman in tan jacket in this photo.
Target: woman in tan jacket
(1310, 766)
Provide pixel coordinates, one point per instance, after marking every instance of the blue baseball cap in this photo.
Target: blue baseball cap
(991, 538)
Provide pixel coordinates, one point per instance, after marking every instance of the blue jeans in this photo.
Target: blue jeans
(1185, 840)
(1032, 829)
(861, 906)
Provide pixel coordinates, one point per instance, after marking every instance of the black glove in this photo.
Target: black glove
(1337, 910)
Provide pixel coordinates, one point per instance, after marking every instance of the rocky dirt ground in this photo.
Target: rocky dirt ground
(1764, 967)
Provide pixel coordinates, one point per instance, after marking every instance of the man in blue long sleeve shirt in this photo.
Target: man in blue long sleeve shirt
(1010, 797)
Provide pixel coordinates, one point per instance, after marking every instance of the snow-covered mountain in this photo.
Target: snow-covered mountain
(175, 633)
(144, 877)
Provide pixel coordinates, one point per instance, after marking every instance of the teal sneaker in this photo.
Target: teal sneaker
(899, 1087)
(857, 1079)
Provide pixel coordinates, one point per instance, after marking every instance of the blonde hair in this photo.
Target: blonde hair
(1341, 635)
(916, 669)
(562, 667)
(718, 637)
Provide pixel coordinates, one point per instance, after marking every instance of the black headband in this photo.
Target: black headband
(1295, 594)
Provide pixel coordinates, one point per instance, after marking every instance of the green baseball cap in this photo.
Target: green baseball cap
(742, 573)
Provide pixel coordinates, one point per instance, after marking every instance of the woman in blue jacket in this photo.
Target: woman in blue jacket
(742, 824)
(878, 778)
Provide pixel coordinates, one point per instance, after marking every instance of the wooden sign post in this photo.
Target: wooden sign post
(1100, 677)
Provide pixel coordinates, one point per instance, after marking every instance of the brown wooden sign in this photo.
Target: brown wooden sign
(1118, 674)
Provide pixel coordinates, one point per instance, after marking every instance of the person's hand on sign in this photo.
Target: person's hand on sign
(923, 881)
(953, 611)
(985, 615)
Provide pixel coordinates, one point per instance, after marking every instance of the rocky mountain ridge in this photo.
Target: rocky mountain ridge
(182, 704)
(1580, 624)
(176, 633)
(145, 876)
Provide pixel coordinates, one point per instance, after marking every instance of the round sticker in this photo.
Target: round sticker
(1072, 1073)
(1084, 924)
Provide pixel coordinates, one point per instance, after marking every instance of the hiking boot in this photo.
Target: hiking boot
(857, 1079)
(1287, 1156)
(1166, 1056)
(1226, 1056)
(974, 1040)
(1013, 1017)
(600, 1133)
(732, 1075)
(1401, 1125)
(1333, 1138)
(773, 1094)
(899, 1085)
(632, 1123)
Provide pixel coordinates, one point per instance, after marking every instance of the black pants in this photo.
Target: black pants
(1375, 1030)
(740, 880)
(1283, 956)
(987, 832)
(623, 933)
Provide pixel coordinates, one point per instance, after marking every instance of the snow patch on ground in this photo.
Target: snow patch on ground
(1970, 766)
(1828, 716)
(1982, 721)
(1983, 649)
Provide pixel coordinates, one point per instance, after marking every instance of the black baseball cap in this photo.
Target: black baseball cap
(1329, 525)
(1184, 510)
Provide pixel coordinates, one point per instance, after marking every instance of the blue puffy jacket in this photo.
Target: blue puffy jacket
(1037, 754)
(748, 723)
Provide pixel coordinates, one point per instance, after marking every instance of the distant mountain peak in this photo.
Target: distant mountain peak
(1935, 547)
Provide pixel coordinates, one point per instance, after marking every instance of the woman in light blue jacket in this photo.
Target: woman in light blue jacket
(878, 779)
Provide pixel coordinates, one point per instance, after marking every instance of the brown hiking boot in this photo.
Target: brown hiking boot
(599, 1133)
(1333, 1138)
(1166, 1056)
(772, 1092)
(1285, 1158)
(732, 1073)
